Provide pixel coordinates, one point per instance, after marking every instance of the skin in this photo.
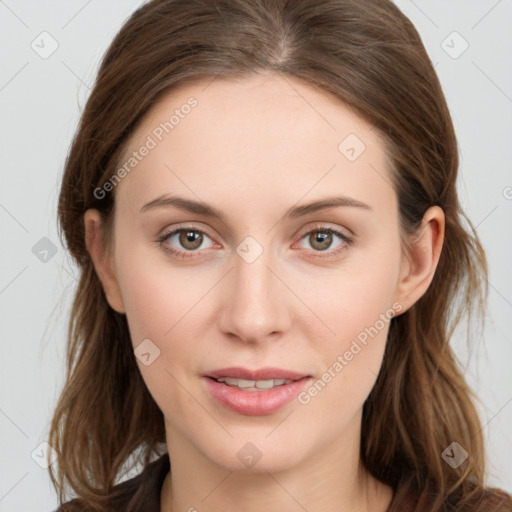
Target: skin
(254, 148)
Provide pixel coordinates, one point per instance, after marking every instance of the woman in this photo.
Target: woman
(262, 200)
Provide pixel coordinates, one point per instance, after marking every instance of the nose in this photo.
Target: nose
(254, 301)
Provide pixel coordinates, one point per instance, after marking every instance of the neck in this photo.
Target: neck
(331, 479)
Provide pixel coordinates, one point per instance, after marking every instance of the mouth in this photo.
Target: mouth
(255, 392)
(254, 385)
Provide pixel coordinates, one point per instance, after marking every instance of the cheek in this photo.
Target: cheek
(165, 309)
(167, 306)
(156, 297)
(357, 304)
(351, 297)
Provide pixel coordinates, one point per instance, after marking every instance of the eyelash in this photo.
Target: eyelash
(191, 254)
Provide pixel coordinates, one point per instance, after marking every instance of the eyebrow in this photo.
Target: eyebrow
(206, 210)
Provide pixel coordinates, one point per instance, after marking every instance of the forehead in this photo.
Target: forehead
(262, 133)
(265, 104)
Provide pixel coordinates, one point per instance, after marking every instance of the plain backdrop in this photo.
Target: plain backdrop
(41, 98)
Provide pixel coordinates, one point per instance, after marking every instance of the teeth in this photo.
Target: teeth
(253, 385)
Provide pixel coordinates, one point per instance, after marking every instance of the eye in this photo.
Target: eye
(186, 242)
(181, 241)
(322, 238)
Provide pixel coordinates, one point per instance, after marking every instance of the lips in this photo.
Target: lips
(254, 392)
(268, 373)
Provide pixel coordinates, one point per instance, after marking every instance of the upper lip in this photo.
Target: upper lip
(236, 372)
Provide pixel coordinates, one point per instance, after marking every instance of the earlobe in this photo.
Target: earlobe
(102, 261)
(420, 262)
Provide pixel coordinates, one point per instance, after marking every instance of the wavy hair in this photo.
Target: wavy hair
(369, 55)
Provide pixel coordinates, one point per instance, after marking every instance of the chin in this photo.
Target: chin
(256, 453)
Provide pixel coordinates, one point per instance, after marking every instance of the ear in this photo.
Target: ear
(101, 258)
(420, 258)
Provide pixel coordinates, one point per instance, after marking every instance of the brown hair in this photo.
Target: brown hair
(370, 56)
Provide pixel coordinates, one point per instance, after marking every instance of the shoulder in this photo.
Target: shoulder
(481, 500)
(140, 493)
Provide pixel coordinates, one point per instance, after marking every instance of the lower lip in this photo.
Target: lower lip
(255, 403)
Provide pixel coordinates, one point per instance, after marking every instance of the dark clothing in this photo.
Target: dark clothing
(142, 494)
(138, 494)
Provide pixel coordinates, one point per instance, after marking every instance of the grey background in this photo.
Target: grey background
(40, 103)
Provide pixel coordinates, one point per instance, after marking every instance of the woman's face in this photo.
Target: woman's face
(277, 282)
